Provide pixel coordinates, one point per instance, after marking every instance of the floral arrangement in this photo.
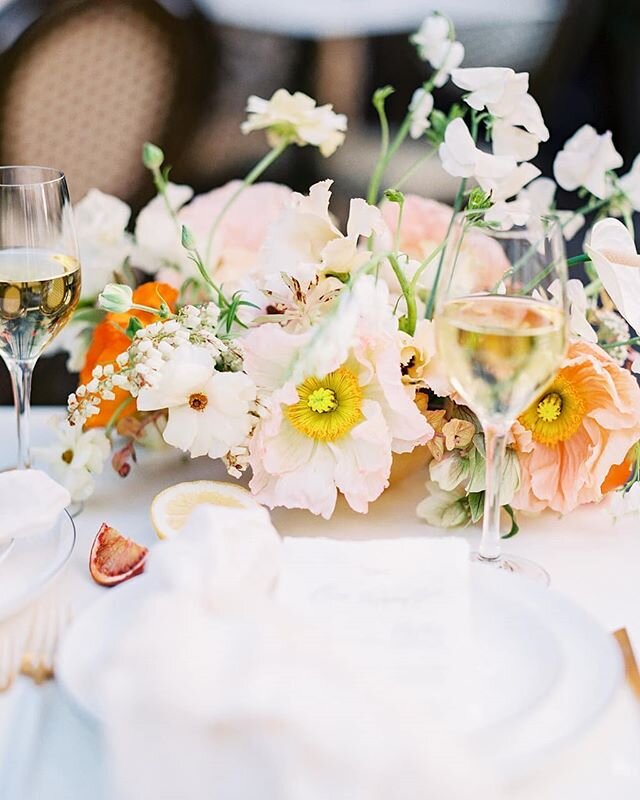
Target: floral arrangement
(274, 340)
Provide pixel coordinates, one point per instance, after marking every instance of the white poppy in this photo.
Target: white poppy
(75, 457)
(460, 156)
(297, 118)
(209, 411)
(585, 160)
(420, 107)
(613, 252)
(157, 233)
(436, 44)
(104, 244)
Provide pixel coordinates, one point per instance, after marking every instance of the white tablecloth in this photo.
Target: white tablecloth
(47, 750)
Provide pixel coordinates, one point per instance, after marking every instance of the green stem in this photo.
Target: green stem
(383, 158)
(416, 165)
(161, 186)
(149, 309)
(571, 262)
(457, 203)
(408, 323)
(113, 419)
(265, 162)
(593, 288)
(614, 345)
(424, 264)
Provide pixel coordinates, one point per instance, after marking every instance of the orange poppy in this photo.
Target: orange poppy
(617, 476)
(109, 340)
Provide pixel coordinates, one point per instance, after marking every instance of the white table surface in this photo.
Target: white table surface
(48, 751)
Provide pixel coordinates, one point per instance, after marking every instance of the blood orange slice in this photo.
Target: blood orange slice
(114, 558)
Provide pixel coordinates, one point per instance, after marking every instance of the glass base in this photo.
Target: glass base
(515, 564)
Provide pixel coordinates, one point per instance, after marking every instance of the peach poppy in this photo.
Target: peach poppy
(569, 439)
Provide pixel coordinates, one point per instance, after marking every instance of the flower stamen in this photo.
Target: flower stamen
(550, 407)
(322, 400)
(329, 407)
(198, 401)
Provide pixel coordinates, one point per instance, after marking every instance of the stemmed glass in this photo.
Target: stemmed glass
(39, 276)
(501, 331)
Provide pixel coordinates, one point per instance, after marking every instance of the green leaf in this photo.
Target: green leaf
(514, 525)
(91, 315)
(476, 505)
(133, 327)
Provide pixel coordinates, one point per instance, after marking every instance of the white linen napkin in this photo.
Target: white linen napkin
(219, 690)
(31, 502)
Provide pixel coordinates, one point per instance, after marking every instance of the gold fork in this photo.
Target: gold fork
(632, 673)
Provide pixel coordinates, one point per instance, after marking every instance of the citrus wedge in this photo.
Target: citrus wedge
(114, 558)
(171, 508)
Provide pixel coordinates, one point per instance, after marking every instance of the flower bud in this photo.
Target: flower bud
(188, 241)
(152, 156)
(116, 297)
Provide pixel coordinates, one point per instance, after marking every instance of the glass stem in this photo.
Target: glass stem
(495, 442)
(21, 372)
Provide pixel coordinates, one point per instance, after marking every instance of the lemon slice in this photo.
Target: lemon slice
(171, 508)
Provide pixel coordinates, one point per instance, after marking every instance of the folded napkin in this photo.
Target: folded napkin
(220, 689)
(31, 502)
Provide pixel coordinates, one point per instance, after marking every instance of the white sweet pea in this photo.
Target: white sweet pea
(585, 160)
(579, 305)
(540, 194)
(157, 233)
(296, 118)
(505, 94)
(460, 156)
(613, 252)
(622, 504)
(75, 457)
(436, 44)
(508, 140)
(104, 244)
(630, 184)
(209, 411)
(505, 214)
(420, 107)
(503, 188)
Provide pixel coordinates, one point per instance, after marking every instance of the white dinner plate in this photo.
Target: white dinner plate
(32, 563)
(539, 670)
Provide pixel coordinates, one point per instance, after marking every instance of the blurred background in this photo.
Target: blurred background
(84, 82)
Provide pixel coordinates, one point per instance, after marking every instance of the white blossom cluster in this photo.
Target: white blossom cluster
(151, 348)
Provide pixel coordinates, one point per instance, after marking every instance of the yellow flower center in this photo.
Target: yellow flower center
(67, 456)
(322, 400)
(557, 415)
(328, 407)
(550, 407)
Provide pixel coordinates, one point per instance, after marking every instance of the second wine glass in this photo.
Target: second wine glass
(501, 332)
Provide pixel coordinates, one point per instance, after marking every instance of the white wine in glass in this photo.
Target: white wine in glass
(39, 276)
(502, 334)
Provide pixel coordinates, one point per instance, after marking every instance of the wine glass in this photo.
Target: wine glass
(501, 331)
(39, 276)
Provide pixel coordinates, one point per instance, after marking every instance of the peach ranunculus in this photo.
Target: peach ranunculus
(109, 340)
(242, 230)
(424, 227)
(569, 439)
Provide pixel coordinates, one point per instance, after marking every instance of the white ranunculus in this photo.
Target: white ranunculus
(209, 411)
(630, 184)
(613, 252)
(443, 509)
(505, 95)
(585, 160)
(420, 107)
(297, 118)
(75, 457)
(104, 244)
(158, 235)
(460, 156)
(436, 44)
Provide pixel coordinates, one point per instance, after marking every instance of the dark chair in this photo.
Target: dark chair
(89, 80)
(83, 83)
